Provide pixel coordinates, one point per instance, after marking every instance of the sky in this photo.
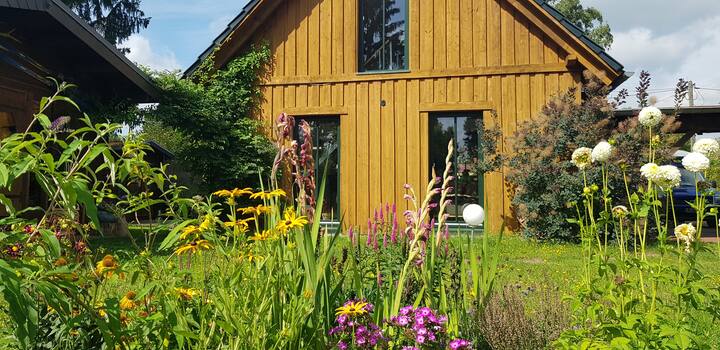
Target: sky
(669, 38)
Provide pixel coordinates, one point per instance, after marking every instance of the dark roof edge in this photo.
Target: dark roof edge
(76, 25)
(249, 7)
(577, 32)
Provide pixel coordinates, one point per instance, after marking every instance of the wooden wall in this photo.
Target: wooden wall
(19, 98)
(464, 55)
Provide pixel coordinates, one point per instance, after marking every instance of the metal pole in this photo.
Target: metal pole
(691, 93)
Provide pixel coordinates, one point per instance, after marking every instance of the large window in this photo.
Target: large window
(325, 132)
(465, 130)
(383, 35)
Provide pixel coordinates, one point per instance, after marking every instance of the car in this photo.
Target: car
(685, 194)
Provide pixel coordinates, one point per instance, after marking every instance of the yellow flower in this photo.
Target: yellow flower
(193, 247)
(268, 195)
(255, 211)
(189, 230)
(106, 266)
(187, 293)
(264, 236)
(128, 301)
(250, 257)
(207, 223)
(353, 308)
(290, 221)
(223, 193)
(236, 192)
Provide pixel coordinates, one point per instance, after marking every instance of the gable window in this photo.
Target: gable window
(326, 152)
(383, 35)
(465, 130)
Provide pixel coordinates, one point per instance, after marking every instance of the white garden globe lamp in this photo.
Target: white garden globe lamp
(474, 215)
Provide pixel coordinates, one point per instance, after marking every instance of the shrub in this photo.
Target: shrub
(508, 324)
(545, 180)
(208, 122)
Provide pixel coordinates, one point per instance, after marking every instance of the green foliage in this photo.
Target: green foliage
(207, 122)
(545, 180)
(588, 19)
(116, 20)
(631, 302)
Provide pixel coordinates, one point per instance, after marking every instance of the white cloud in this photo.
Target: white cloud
(690, 52)
(143, 53)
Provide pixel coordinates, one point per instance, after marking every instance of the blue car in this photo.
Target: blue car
(684, 194)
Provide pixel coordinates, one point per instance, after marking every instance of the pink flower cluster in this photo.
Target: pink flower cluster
(357, 332)
(422, 328)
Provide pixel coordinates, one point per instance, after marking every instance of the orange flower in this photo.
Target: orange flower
(106, 266)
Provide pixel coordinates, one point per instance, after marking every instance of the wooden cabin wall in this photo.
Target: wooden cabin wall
(19, 99)
(463, 55)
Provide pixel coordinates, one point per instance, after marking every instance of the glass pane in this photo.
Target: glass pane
(383, 26)
(464, 130)
(326, 151)
(468, 152)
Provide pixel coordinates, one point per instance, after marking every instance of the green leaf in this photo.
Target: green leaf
(4, 175)
(66, 99)
(44, 120)
(52, 242)
(86, 198)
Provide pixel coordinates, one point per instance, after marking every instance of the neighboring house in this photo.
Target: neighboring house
(387, 83)
(41, 39)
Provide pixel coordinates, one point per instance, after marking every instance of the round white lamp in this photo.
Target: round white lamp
(474, 215)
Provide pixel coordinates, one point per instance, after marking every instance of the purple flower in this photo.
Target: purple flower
(58, 123)
(460, 344)
(403, 320)
(341, 345)
(420, 339)
(406, 310)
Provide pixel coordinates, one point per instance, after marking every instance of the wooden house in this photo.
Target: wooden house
(387, 83)
(42, 39)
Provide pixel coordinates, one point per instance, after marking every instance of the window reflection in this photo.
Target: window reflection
(383, 27)
(465, 131)
(326, 151)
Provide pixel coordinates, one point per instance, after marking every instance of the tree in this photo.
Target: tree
(588, 19)
(207, 122)
(116, 20)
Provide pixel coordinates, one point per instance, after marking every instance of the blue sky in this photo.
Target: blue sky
(669, 38)
(180, 30)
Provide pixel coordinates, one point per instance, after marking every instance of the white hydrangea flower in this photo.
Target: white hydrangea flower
(668, 177)
(582, 157)
(602, 152)
(706, 146)
(650, 116)
(686, 234)
(696, 162)
(650, 171)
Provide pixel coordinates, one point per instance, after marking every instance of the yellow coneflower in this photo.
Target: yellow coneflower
(189, 230)
(255, 211)
(264, 236)
(291, 221)
(223, 193)
(268, 195)
(239, 192)
(353, 308)
(187, 293)
(207, 223)
(194, 247)
(128, 301)
(106, 266)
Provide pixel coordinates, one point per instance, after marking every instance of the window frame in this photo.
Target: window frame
(455, 115)
(406, 69)
(318, 171)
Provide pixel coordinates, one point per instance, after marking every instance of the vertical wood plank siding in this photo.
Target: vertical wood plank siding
(461, 52)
